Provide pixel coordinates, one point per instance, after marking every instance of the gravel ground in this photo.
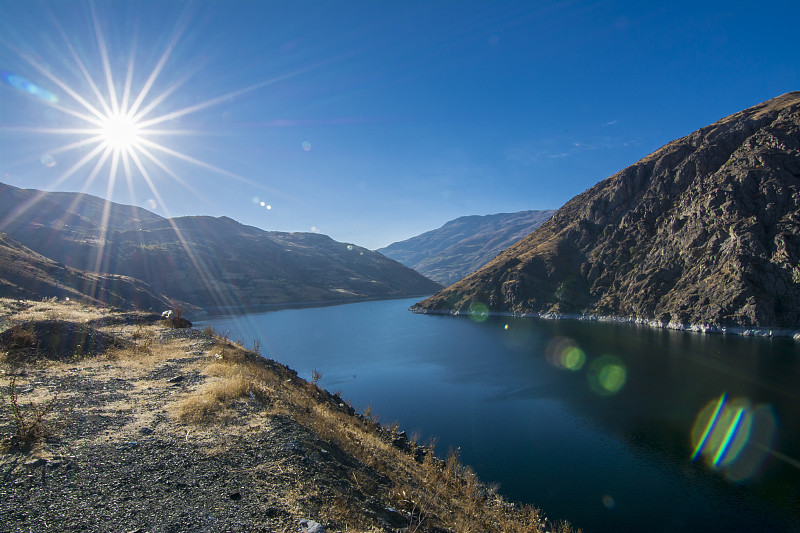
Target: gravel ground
(124, 463)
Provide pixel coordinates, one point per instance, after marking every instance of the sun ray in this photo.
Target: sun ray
(126, 163)
(126, 93)
(77, 144)
(80, 164)
(197, 162)
(219, 99)
(55, 131)
(118, 118)
(82, 67)
(201, 268)
(101, 46)
(25, 206)
(101, 256)
(101, 161)
(161, 97)
(144, 151)
(157, 69)
(64, 87)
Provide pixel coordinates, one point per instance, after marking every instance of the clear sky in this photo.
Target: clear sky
(369, 121)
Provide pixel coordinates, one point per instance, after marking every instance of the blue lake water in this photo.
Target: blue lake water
(594, 423)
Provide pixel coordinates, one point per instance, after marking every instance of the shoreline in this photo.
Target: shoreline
(216, 312)
(693, 328)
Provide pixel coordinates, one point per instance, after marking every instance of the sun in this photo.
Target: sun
(122, 110)
(116, 119)
(120, 132)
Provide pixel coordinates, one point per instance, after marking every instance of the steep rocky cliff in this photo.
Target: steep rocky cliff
(704, 231)
(465, 244)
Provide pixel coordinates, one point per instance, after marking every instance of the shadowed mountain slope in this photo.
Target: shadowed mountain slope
(205, 261)
(26, 274)
(704, 231)
(465, 244)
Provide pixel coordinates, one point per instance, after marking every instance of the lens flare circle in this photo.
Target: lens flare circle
(565, 353)
(478, 311)
(733, 437)
(607, 375)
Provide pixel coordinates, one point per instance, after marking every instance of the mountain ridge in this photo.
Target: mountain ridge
(205, 261)
(463, 245)
(701, 233)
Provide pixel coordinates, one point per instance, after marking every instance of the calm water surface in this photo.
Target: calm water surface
(591, 422)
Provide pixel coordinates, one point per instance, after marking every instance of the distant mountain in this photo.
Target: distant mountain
(465, 244)
(26, 274)
(704, 231)
(207, 262)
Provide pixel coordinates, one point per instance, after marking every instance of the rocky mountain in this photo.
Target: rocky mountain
(25, 274)
(704, 231)
(465, 244)
(205, 261)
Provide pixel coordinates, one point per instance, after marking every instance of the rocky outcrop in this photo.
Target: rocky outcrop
(465, 244)
(706, 230)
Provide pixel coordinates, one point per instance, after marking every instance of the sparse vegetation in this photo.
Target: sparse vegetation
(32, 422)
(23, 337)
(142, 339)
(232, 377)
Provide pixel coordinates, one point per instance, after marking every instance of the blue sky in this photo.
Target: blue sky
(372, 122)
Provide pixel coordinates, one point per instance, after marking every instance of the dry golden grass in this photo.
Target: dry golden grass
(50, 309)
(232, 375)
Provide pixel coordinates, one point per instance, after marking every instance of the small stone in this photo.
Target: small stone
(309, 526)
(176, 379)
(146, 431)
(401, 442)
(36, 463)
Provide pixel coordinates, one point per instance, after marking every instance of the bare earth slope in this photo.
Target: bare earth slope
(704, 231)
(465, 244)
